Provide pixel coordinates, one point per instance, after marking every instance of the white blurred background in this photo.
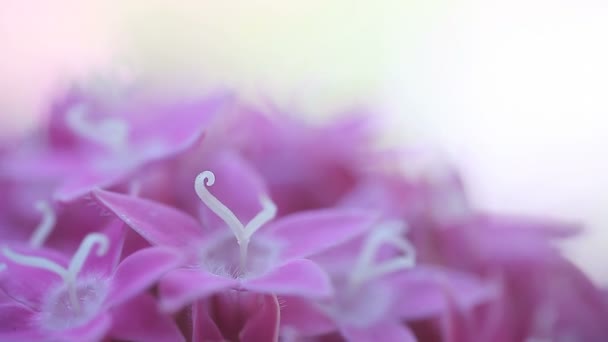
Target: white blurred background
(515, 91)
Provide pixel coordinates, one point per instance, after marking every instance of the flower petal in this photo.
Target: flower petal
(421, 292)
(157, 223)
(383, 331)
(14, 318)
(95, 330)
(298, 277)
(264, 324)
(204, 327)
(311, 232)
(139, 319)
(304, 317)
(139, 271)
(183, 286)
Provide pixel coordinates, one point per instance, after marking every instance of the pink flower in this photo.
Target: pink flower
(47, 295)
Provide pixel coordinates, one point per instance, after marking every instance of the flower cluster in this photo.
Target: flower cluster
(210, 220)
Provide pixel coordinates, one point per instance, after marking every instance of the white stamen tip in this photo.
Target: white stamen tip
(110, 132)
(2, 267)
(202, 181)
(45, 227)
(242, 233)
(389, 233)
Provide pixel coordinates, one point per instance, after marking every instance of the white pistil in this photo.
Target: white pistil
(45, 227)
(109, 132)
(68, 275)
(241, 232)
(390, 233)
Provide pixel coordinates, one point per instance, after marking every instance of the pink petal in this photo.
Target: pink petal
(140, 320)
(298, 277)
(311, 232)
(421, 292)
(157, 223)
(139, 271)
(83, 179)
(264, 325)
(14, 317)
(304, 317)
(204, 327)
(184, 286)
(382, 331)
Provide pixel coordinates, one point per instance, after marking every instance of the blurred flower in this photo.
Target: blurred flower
(253, 226)
(48, 296)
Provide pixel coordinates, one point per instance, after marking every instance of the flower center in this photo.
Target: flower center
(221, 258)
(74, 296)
(59, 312)
(363, 300)
(111, 133)
(242, 233)
(391, 234)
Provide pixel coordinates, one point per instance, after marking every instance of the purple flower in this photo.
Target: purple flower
(377, 289)
(48, 296)
(236, 316)
(260, 256)
(87, 148)
(293, 232)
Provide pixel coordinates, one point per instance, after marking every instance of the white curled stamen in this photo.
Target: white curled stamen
(390, 233)
(109, 132)
(242, 233)
(45, 227)
(68, 275)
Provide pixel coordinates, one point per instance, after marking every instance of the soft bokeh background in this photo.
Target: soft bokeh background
(515, 91)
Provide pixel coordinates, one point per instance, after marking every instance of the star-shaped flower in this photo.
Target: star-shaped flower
(83, 298)
(378, 289)
(260, 256)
